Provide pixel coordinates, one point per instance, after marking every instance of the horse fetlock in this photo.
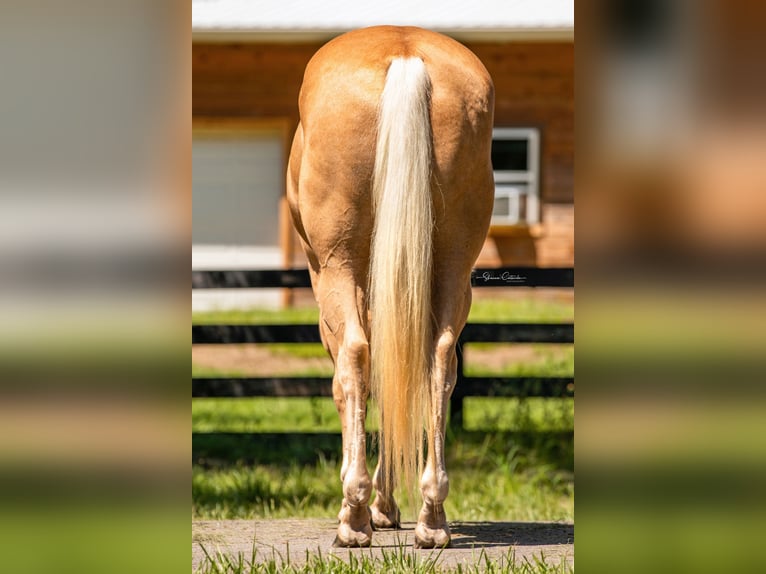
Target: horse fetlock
(357, 488)
(434, 486)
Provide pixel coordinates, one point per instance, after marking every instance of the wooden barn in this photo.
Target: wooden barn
(248, 60)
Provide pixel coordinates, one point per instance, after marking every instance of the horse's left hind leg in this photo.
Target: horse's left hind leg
(385, 512)
(347, 342)
(354, 527)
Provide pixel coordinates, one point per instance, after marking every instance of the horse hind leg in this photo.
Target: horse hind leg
(432, 529)
(384, 510)
(342, 328)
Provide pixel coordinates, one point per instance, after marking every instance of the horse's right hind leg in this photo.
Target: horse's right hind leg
(452, 304)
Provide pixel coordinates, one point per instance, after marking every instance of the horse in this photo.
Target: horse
(390, 188)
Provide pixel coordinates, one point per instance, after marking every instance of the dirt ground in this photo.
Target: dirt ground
(278, 537)
(255, 360)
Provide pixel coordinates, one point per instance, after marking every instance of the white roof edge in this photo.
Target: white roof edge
(220, 35)
(298, 19)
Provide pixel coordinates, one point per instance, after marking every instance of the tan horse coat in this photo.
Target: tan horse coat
(390, 188)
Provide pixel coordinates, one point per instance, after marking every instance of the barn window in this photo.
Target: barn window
(515, 162)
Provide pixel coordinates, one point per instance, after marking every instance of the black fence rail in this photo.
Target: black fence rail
(302, 333)
(295, 278)
(529, 386)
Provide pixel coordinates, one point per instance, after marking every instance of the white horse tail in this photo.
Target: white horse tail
(400, 271)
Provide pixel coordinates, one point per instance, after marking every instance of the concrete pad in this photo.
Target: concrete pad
(278, 538)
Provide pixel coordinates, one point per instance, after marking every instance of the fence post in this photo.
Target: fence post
(456, 400)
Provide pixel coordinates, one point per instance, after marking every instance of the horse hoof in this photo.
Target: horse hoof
(362, 542)
(431, 543)
(432, 537)
(385, 520)
(348, 537)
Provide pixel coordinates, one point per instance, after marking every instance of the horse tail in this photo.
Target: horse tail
(401, 264)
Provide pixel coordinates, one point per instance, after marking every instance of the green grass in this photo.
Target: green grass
(318, 414)
(299, 350)
(255, 316)
(266, 491)
(534, 414)
(549, 361)
(521, 478)
(398, 560)
(265, 415)
(498, 487)
(521, 309)
(205, 371)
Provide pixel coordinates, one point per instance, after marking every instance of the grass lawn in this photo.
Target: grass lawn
(317, 415)
(399, 560)
(521, 309)
(516, 465)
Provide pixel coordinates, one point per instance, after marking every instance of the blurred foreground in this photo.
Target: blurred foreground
(671, 307)
(94, 231)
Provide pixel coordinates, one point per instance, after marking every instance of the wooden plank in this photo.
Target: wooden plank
(250, 278)
(518, 333)
(523, 277)
(309, 333)
(514, 387)
(322, 387)
(236, 334)
(262, 387)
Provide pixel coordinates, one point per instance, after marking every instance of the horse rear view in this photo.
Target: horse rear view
(390, 188)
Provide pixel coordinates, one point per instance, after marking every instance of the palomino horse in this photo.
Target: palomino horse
(390, 188)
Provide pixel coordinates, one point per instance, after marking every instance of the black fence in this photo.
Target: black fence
(528, 386)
